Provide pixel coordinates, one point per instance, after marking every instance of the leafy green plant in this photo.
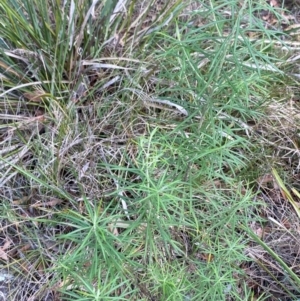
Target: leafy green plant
(125, 134)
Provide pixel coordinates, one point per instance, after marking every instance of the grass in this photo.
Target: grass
(133, 136)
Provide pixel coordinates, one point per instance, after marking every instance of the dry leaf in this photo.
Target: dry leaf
(21, 201)
(36, 96)
(274, 3)
(259, 232)
(3, 254)
(51, 203)
(25, 248)
(265, 179)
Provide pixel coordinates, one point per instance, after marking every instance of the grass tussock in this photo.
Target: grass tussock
(133, 140)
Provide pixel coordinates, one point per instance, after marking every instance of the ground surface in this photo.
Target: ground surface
(142, 164)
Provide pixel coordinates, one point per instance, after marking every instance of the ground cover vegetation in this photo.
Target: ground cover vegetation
(149, 150)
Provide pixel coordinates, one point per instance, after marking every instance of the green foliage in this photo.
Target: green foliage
(125, 139)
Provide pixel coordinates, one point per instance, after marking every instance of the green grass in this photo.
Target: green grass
(127, 164)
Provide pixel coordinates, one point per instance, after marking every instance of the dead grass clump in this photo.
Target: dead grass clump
(279, 231)
(280, 224)
(279, 134)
